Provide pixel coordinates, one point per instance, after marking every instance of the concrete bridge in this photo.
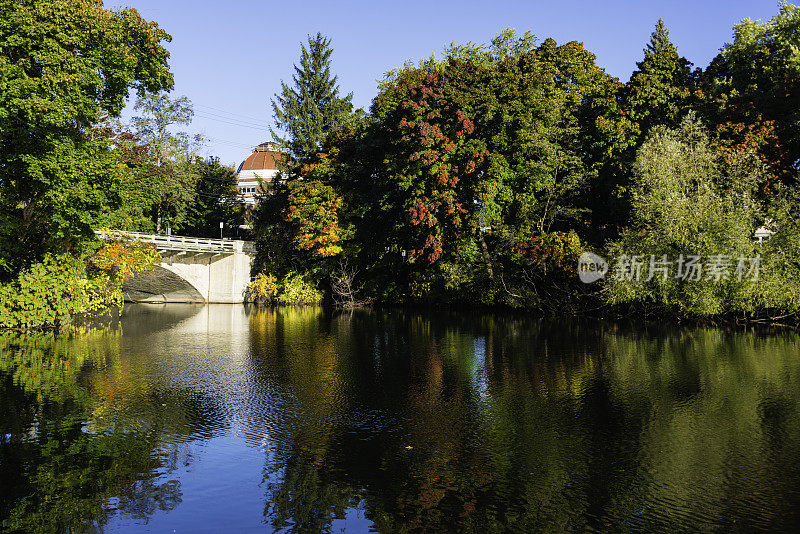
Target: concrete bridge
(191, 269)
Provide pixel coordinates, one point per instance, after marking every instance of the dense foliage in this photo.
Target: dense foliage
(689, 199)
(58, 290)
(66, 65)
(477, 177)
(480, 177)
(67, 167)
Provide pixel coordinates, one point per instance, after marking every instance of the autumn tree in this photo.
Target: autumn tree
(467, 156)
(313, 213)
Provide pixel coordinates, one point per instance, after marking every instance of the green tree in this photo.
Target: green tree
(311, 109)
(215, 200)
(141, 185)
(65, 66)
(752, 90)
(172, 154)
(689, 199)
(659, 40)
(660, 90)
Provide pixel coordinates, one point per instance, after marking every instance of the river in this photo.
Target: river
(218, 418)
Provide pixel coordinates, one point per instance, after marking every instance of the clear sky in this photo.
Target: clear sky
(229, 56)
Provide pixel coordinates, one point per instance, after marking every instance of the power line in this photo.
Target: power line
(227, 142)
(231, 122)
(225, 112)
(234, 119)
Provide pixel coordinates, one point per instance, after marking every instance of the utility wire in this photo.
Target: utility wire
(234, 119)
(231, 122)
(224, 112)
(233, 143)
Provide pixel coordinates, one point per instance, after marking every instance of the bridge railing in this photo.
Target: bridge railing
(180, 243)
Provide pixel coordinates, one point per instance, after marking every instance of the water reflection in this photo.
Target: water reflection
(295, 419)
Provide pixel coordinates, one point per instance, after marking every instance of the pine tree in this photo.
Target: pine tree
(310, 110)
(660, 90)
(659, 40)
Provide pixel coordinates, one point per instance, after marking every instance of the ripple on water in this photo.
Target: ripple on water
(406, 421)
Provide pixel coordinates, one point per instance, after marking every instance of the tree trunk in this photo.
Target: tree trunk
(158, 164)
(486, 259)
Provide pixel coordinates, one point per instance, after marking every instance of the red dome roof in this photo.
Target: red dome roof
(262, 159)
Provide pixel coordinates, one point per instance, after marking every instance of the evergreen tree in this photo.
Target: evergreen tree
(660, 90)
(311, 109)
(659, 40)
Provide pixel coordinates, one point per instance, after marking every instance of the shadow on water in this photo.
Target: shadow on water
(399, 421)
(140, 319)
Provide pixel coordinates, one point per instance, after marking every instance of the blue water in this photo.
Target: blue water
(224, 419)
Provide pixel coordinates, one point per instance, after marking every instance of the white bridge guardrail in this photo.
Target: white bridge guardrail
(180, 243)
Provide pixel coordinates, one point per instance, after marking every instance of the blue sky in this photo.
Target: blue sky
(229, 57)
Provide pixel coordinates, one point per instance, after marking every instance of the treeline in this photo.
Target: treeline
(68, 166)
(480, 177)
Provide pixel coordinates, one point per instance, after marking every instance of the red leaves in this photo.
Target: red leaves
(433, 244)
(429, 157)
(443, 160)
(421, 213)
(467, 125)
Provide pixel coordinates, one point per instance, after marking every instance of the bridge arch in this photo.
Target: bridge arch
(160, 285)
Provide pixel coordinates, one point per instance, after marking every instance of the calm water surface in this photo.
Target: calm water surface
(214, 419)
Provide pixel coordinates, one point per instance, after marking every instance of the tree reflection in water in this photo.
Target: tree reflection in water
(70, 458)
(487, 424)
(400, 421)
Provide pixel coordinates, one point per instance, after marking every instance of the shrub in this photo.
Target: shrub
(49, 295)
(553, 253)
(295, 289)
(53, 293)
(120, 260)
(263, 289)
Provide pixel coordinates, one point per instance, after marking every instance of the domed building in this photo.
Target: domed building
(261, 164)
